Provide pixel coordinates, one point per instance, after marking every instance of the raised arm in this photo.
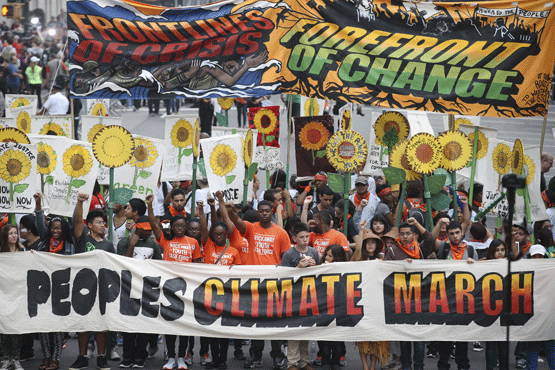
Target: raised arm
(133, 239)
(466, 214)
(237, 222)
(212, 203)
(39, 217)
(357, 255)
(224, 213)
(156, 230)
(203, 222)
(304, 194)
(279, 215)
(78, 215)
(304, 212)
(289, 203)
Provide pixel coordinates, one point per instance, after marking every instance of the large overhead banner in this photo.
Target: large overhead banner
(349, 301)
(482, 58)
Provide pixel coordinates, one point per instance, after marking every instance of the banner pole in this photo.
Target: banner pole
(401, 203)
(543, 133)
(111, 205)
(455, 203)
(473, 168)
(289, 127)
(245, 189)
(194, 190)
(427, 196)
(346, 203)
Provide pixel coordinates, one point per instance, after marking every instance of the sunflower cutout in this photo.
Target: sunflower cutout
(398, 159)
(457, 150)
(24, 122)
(347, 150)
(15, 167)
(226, 103)
(265, 121)
(314, 136)
(196, 139)
(99, 110)
(77, 162)
(13, 135)
(144, 156)
(483, 144)
(461, 121)
(182, 136)
(530, 169)
(424, 153)
(52, 128)
(20, 102)
(248, 148)
(502, 158)
(113, 146)
(46, 160)
(518, 157)
(94, 130)
(346, 120)
(223, 160)
(391, 120)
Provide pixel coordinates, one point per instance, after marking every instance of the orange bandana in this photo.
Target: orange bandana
(174, 212)
(526, 247)
(358, 198)
(457, 252)
(56, 245)
(413, 250)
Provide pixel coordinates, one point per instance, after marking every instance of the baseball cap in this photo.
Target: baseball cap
(537, 249)
(361, 180)
(34, 59)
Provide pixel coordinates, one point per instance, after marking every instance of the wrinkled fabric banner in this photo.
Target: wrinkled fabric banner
(482, 58)
(351, 301)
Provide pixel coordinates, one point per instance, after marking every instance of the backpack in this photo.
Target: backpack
(416, 210)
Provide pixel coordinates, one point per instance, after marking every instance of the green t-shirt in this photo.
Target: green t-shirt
(144, 249)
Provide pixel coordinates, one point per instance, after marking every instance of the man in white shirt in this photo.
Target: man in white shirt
(56, 104)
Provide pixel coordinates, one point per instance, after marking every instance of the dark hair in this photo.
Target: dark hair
(490, 254)
(293, 182)
(94, 214)
(477, 188)
(326, 190)
(380, 245)
(380, 187)
(173, 220)
(278, 179)
(545, 238)
(299, 227)
(538, 226)
(439, 216)
(341, 205)
(264, 203)
(381, 218)
(4, 237)
(250, 215)
(325, 216)
(454, 225)
(337, 251)
(215, 225)
(414, 189)
(478, 231)
(28, 222)
(194, 219)
(413, 228)
(270, 194)
(66, 231)
(138, 205)
(176, 192)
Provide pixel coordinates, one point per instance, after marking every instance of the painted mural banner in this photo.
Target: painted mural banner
(225, 168)
(17, 101)
(18, 163)
(351, 301)
(480, 59)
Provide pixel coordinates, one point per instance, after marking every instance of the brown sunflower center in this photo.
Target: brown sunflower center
(223, 160)
(249, 147)
(452, 150)
(140, 153)
(502, 159)
(265, 121)
(24, 124)
(405, 162)
(314, 136)
(43, 160)
(182, 134)
(424, 153)
(10, 140)
(516, 159)
(14, 167)
(391, 124)
(77, 162)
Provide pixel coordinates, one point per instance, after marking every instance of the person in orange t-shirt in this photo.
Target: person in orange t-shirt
(267, 243)
(323, 235)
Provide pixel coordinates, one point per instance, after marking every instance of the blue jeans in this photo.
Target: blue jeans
(418, 356)
(533, 351)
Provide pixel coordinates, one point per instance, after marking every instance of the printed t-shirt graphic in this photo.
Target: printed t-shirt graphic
(184, 249)
(212, 253)
(321, 241)
(266, 245)
(239, 242)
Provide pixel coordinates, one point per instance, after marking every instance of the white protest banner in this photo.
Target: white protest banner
(22, 118)
(224, 164)
(492, 184)
(532, 167)
(52, 125)
(141, 173)
(18, 169)
(377, 158)
(312, 106)
(97, 107)
(178, 158)
(14, 101)
(48, 158)
(482, 171)
(461, 120)
(75, 173)
(425, 300)
(90, 125)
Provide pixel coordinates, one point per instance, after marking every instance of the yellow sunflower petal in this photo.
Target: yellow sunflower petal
(113, 146)
(13, 135)
(265, 121)
(311, 107)
(98, 110)
(530, 169)
(196, 139)
(424, 153)
(398, 159)
(483, 144)
(77, 161)
(145, 153)
(24, 122)
(223, 159)
(456, 149)
(226, 103)
(518, 157)
(182, 133)
(248, 148)
(20, 102)
(388, 120)
(52, 128)
(93, 131)
(46, 159)
(502, 158)
(347, 150)
(15, 166)
(314, 136)
(346, 120)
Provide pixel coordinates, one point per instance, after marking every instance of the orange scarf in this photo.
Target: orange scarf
(457, 252)
(358, 198)
(56, 245)
(525, 247)
(174, 212)
(413, 250)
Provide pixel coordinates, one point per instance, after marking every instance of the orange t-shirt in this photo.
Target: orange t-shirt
(321, 241)
(184, 249)
(266, 246)
(238, 241)
(212, 253)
